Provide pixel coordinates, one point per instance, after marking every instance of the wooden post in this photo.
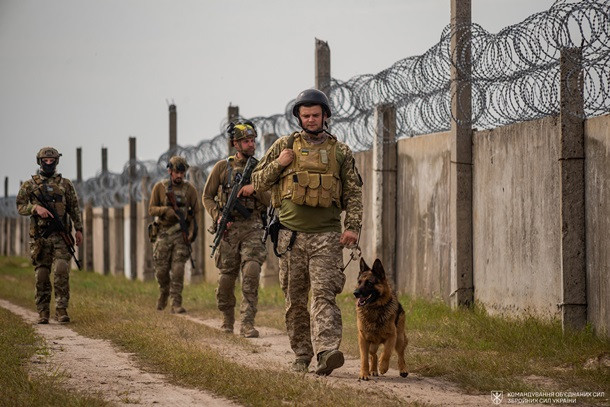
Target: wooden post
(117, 241)
(105, 221)
(6, 226)
(462, 291)
(133, 213)
(572, 200)
(79, 181)
(173, 128)
(145, 269)
(384, 184)
(88, 238)
(322, 62)
(11, 224)
(232, 115)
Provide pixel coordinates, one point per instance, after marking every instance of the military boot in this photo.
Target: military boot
(177, 308)
(228, 319)
(300, 366)
(43, 317)
(162, 301)
(328, 361)
(61, 315)
(247, 330)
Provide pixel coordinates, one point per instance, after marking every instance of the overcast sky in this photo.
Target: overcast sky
(92, 73)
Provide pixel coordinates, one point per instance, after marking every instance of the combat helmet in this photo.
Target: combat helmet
(311, 97)
(177, 163)
(241, 130)
(47, 152)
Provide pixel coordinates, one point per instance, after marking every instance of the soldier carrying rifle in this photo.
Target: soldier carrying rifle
(174, 202)
(52, 204)
(239, 246)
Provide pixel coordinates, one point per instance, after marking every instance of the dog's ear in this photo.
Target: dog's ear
(378, 270)
(363, 266)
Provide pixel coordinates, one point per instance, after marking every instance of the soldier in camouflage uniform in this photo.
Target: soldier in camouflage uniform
(312, 177)
(170, 252)
(241, 248)
(48, 249)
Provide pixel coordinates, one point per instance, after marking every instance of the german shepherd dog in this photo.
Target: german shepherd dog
(381, 320)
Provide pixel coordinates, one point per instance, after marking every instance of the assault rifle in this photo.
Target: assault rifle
(241, 180)
(268, 219)
(171, 196)
(57, 226)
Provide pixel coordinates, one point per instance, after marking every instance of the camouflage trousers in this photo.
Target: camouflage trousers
(241, 249)
(48, 256)
(315, 263)
(170, 253)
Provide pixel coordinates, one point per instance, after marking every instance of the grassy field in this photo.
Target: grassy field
(18, 343)
(478, 352)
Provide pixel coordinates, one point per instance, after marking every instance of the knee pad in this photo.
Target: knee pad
(251, 269)
(177, 270)
(43, 272)
(62, 267)
(251, 275)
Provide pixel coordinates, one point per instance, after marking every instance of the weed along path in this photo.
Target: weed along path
(275, 352)
(93, 365)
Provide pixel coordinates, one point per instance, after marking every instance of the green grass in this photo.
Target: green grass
(476, 351)
(123, 312)
(483, 353)
(18, 344)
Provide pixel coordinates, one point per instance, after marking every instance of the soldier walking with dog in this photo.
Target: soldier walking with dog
(174, 204)
(313, 178)
(240, 248)
(52, 205)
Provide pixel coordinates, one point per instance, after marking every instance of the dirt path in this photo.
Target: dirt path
(275, 352)
(95, 365)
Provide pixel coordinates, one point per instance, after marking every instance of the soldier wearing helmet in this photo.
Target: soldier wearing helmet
(241, 248)
(313, 178)
(48, 250)
(170, 252)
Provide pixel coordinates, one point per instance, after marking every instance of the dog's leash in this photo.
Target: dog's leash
(356, 252)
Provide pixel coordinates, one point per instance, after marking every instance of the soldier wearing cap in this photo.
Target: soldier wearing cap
(170, 252)
(313, 178)
(48, 250)
(241, 248)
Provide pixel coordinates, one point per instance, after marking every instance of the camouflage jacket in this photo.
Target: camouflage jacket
(268, 172)
(68, 202)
